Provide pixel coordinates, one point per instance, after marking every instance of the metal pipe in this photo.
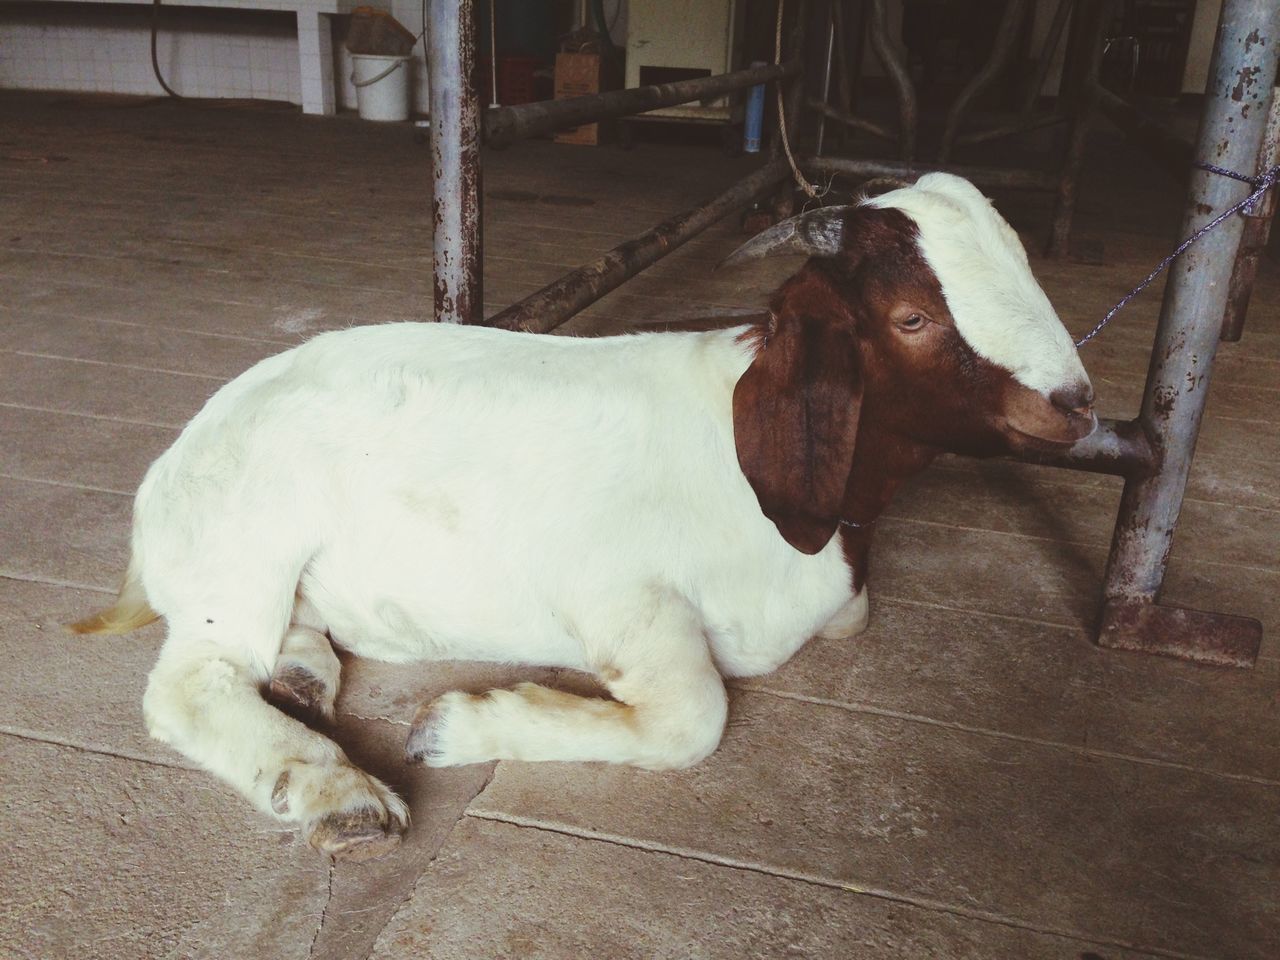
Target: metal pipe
(506, 125)
(897, 71)
(1257, 230)
(1025, 125)
(1084, 62)
(455, 162)
(1242, 75)
(1001, 48)
(1120, 448)
(1162, 145)
(826, 78)
(982, 176)
(826, 110)
(1051, 40)
(558, 301)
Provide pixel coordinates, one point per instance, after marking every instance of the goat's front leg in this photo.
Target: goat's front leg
(205, 701)
(669, 709)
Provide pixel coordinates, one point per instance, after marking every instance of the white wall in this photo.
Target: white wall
(202, 52)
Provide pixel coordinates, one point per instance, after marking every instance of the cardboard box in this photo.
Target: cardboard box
(578, 74)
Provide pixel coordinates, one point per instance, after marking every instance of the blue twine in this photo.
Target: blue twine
(1263, 182)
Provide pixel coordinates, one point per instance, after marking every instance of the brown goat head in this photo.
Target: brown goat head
(917, 317)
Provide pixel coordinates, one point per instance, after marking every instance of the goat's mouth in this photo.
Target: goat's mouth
(1073, 430)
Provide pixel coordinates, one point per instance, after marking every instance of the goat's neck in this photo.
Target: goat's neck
(882, 461)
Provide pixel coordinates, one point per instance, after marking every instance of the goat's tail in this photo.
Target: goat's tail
(130, 611)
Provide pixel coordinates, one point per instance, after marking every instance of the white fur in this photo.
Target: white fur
(428, 491)
(998, 306)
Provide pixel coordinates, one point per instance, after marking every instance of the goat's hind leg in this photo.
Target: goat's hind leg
(669, 711)
(204, 699)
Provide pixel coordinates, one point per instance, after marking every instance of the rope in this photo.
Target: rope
(801, 182)
(1262, 183)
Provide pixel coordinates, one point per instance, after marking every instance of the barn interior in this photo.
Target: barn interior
(973, 776)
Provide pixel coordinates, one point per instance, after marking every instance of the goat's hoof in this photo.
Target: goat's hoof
(300, 693)
(424, 742)
(449, 731)
(357, 835)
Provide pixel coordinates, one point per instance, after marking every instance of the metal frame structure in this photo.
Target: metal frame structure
(1152, 452)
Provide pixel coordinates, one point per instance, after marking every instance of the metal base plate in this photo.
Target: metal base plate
(1220, 639)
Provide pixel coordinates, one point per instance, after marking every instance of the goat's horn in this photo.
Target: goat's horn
(816, 233)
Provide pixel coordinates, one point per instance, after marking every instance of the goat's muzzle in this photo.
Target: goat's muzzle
(1063, 418)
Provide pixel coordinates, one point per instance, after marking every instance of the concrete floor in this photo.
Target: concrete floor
(970, 778)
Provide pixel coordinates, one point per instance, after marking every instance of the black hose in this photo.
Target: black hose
(155, 60)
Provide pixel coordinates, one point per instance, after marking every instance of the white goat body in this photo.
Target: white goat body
(660, 510)
(440, 492)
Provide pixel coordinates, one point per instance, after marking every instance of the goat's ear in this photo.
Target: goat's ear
(816, 233)
(795, 420)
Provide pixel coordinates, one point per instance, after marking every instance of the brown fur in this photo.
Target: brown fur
(842, 404)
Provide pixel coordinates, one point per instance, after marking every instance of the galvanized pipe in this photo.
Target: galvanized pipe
(982, 176)
(1231, 131)
(506, 125)
(558, 301)
(455, 163)
(1120, 448)
(1257, 229)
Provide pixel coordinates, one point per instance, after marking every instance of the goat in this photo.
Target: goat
(662, 510)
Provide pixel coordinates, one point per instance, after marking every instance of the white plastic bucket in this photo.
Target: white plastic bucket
(382, 86)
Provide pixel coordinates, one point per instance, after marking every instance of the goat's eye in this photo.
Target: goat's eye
(913, 322)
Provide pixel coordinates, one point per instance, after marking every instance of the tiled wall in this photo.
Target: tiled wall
(202, 52)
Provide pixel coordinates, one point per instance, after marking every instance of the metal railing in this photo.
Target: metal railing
(1152, 452)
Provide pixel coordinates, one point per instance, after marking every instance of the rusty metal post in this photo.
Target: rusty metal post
(555, 303)
(505, 125)
(1257, 229)
(455, 163)
(1231, 132)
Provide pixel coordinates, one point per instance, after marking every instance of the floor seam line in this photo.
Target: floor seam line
(66, 484)
(54, 582)
(175, 427)
(138, 368)
(1089, 544)
(1091, 752)
(699, 856)
(32, 736)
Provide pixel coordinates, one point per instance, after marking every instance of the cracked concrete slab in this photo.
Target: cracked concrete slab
(80, 690)
(364, 896)
(69, 449)
(64, 534)
(506, 892)
(1048, 683)
(1110, 850)
(110, 858)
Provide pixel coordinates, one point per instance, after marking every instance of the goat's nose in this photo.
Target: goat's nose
(1077, 399)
